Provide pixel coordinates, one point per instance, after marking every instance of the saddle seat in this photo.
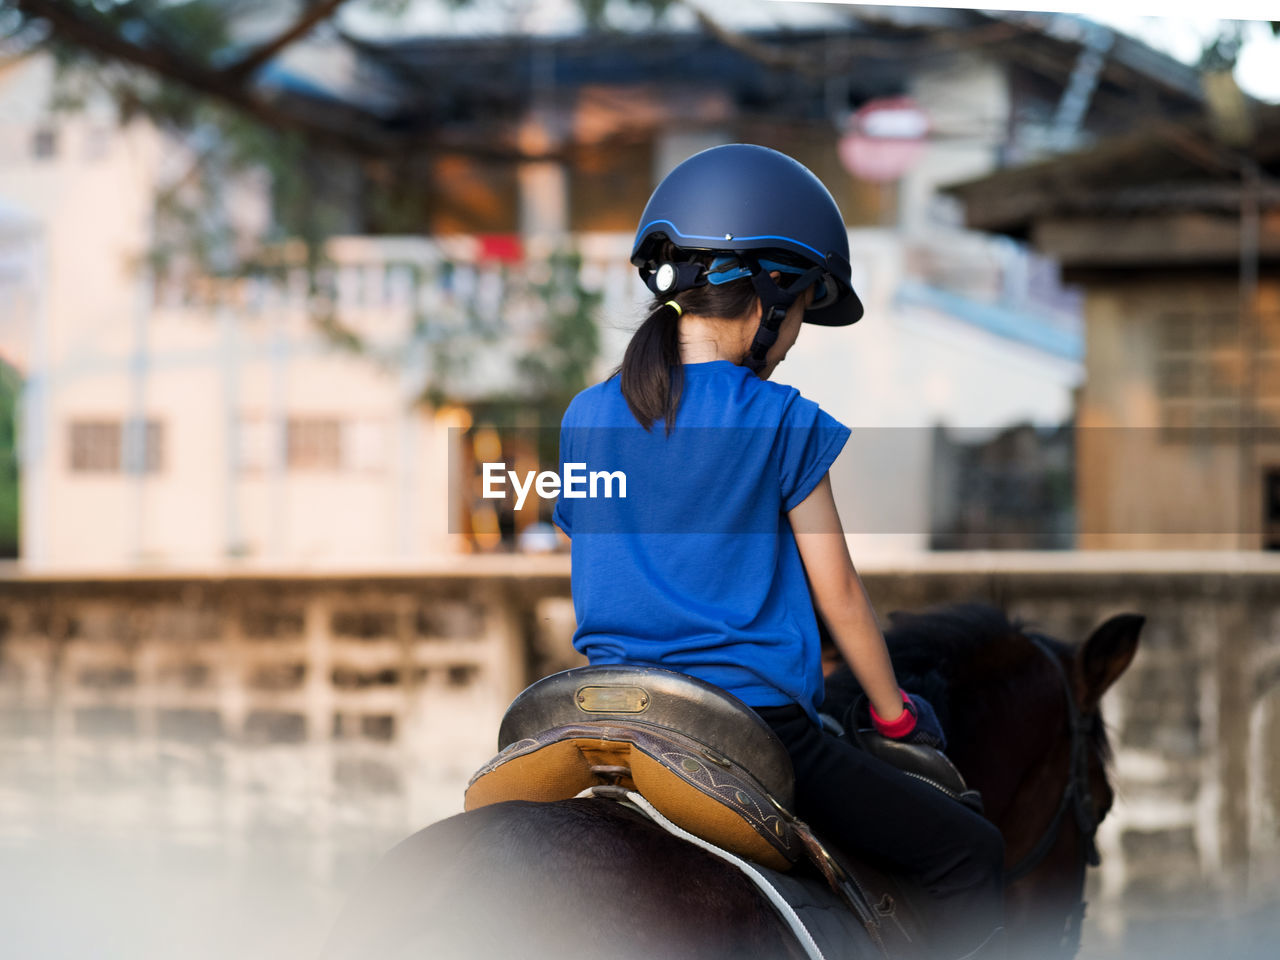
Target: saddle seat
(703, 758)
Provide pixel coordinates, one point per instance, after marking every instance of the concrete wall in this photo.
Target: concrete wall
(399, 680)
(394, 680)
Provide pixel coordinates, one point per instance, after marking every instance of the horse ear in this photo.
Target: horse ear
(1107, 654)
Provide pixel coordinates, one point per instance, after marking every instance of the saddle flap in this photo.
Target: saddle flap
(701, 792)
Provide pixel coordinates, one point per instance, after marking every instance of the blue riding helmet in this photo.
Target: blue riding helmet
(746, 202)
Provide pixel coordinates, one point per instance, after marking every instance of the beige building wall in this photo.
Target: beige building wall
(87, 184)
(108, 346)
(226, 386)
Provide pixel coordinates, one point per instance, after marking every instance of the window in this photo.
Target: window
(1199, 375)
(1202, 373)
(95, 447)
(112, 446)
(313, 443)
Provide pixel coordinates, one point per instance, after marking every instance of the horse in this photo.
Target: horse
(591, 877)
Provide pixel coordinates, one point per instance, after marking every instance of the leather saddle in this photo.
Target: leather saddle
(707, 762)
(702, 757)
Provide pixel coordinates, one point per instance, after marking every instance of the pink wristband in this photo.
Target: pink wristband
(900, 727)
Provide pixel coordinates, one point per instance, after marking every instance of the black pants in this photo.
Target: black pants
(868, 807)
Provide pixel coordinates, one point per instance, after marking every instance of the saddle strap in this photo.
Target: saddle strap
(779, 902)
(840, 881)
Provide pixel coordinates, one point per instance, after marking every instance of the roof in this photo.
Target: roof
(783, 60)
(1164, 166)
(1123, 52)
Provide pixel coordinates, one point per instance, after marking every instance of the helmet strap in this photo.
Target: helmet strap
(775, 301)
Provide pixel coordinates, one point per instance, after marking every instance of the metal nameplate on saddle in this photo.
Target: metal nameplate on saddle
(698, 754)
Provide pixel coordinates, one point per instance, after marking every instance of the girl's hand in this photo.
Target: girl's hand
(917, 724)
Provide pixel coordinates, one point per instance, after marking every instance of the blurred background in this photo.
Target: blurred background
(276, 277)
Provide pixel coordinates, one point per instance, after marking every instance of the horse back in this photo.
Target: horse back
(575, 878)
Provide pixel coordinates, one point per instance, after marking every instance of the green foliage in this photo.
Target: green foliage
(548, 374)
(562, 363)
(197, 30)
(10, 388)
(315, 188)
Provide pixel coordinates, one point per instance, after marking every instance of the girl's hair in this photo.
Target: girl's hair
(651, 372)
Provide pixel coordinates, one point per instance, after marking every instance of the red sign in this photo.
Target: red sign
(885, 139)
(503, 247)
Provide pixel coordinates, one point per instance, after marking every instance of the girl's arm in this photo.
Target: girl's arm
(841, 600)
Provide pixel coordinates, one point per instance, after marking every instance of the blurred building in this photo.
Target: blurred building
(1175, 237)
(158, 429)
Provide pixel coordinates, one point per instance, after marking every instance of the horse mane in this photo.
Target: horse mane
(959, 658)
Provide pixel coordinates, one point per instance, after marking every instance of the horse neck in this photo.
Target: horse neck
(1009, 728)
(1004, 721)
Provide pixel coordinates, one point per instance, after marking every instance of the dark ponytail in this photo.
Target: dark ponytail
(651, 372)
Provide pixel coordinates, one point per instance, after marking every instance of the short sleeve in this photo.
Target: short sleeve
(560, 514)
(809, 440)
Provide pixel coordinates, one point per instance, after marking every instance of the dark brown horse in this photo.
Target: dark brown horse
(591, 878)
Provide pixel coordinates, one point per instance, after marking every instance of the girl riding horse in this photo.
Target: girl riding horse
(728, 537)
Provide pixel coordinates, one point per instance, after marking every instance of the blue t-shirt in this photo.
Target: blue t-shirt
(696, 569)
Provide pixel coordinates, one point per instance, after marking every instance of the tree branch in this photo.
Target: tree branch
(763, 53)
(71, 24)
(337, 125)
(251, 62)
